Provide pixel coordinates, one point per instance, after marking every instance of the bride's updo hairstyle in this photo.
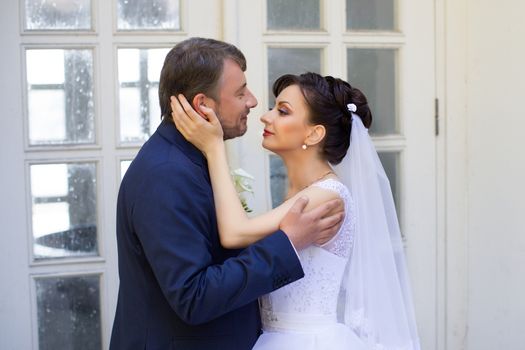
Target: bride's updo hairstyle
(327, 99)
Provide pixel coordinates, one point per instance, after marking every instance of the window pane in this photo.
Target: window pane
(370, 14)
(60, 97)
(294, 15)
(58, 15)
(278, 180)
(64, 210)
(373, 71)
(390, 161)
(154, 109)
(52, 59)
(68, 312)
(291, 61)
(139, 72)
(51, 125)
(124, 165)
(148, 15)
(130, 123)
(128, 65)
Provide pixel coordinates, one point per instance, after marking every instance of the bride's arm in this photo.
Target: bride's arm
(236, 229)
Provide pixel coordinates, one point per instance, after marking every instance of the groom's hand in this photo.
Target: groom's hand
(318, 225)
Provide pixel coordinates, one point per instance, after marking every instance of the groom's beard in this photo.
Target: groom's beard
(237, 128)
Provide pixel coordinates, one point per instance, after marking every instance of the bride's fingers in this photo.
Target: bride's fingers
(188, 109)
(177, 112)
(209, 113)
(182, 122)
(183, 118)
(195, 125)
(182, 111)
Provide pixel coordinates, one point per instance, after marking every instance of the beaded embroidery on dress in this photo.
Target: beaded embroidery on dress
(304, 314)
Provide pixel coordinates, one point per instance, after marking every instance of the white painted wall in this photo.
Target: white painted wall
(496, 174)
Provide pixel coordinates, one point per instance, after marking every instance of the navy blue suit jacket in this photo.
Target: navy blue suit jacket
(179, 289)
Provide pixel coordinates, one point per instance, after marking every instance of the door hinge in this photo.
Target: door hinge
(436, 116)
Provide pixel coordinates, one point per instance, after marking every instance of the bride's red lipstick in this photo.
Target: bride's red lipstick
(267, 133)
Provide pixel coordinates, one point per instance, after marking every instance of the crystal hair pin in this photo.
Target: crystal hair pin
(351, 107)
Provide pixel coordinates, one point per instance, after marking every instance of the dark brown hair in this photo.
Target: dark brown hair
(195, 66)
(327, 99)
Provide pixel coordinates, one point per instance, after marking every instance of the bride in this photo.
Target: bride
(355, 293)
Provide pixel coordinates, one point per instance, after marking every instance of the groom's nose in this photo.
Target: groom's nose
(251, 101)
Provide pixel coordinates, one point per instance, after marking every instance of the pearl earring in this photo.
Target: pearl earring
(304, 146)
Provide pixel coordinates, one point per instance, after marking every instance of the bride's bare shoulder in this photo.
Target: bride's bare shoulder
(317, 195)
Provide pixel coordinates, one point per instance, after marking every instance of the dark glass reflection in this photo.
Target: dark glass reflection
(68, 312)
(278, 180)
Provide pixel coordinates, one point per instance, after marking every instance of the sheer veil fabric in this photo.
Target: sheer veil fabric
(376, 296)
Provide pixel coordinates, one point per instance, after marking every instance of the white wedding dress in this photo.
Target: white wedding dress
(355, 294)
(307, 314)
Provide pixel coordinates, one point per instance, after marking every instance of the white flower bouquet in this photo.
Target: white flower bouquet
(241, 180)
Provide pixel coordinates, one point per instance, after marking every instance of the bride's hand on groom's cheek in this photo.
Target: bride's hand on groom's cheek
(205, 133)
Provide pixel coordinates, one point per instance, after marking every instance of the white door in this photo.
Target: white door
(79, 97)
(385, 48)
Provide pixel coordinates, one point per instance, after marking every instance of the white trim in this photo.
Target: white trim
(383, 143)
(452, 171)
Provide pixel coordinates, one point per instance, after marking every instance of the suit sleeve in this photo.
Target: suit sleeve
(172, 221)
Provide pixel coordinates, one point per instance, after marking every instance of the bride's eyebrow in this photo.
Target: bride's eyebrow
(283, 102)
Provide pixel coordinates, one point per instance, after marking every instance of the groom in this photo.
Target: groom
(179, 289)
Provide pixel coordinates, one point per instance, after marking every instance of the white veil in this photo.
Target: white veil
(377, 299)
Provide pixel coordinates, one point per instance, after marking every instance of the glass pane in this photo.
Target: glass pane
(64, 210)
(124, 165)
(128, 65)
(290, 61)
(390, 161)
(373, 71)
(58, 15)
(148, 14)
(51, 125)
(370, 14)
(130, 123)
(139, 72)
(294, 15)
(60, 97)
(278, 180)
(154, 109)
(68, 312)
(52, 59)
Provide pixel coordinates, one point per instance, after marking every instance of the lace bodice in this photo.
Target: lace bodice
(316, 294)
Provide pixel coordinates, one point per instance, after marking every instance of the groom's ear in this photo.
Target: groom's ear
(202, 100)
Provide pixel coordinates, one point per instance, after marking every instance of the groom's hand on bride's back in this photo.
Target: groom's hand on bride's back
(316, 226)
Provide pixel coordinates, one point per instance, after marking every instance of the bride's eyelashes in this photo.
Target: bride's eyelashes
(283, 111)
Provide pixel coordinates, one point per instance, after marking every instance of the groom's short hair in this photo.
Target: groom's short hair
(195, 66)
